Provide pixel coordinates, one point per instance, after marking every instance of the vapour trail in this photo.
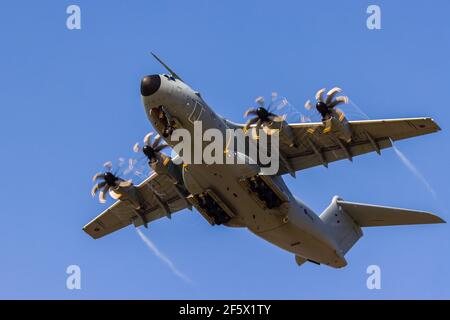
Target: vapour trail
(161, 256)
(411, 167)
(414, 170)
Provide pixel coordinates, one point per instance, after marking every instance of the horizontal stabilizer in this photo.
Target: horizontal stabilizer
(345, 219)
(366, 215)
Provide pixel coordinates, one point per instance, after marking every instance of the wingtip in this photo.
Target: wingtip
(435, 219)
(440, 220)
(438, 128)
(433, 122)
(85, 229)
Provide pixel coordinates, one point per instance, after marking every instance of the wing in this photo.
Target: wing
(320, 148)
(161, 198)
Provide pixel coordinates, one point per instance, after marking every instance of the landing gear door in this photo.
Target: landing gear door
(197, 112)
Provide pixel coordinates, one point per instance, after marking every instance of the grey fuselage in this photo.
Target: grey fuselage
(292, 226)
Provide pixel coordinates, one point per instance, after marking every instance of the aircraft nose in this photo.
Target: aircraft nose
(150, 84)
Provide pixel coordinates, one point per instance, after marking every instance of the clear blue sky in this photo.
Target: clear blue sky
(70, 101)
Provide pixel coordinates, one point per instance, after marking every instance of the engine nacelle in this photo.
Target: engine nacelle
(285, 132)
(338, 124)
(129, 195)
(165, 166)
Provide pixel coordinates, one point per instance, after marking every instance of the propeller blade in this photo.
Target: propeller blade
(344, 99)
(136, 147)
(251, 111)
(284, 102)
(121, 162)
(140, 165)
(119, 168)
(102, 195)
(274, 96)
(331, 94)
(131, 164)
(339, 100)
(319, 95)
(108, 165)
(147, 138)
(308, 105)
(140, 172)
(250, 122)
(156, 141)
(260, 101)
(97, 176)
(276, 118)
(97, 187)
(304, 119)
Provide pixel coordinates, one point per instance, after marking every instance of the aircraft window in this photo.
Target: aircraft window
(195, 115)
(170, 77)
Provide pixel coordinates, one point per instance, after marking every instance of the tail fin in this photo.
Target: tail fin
(345, 219)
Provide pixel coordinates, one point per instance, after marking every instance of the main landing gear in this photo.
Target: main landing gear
(212, 209)
(265, 194)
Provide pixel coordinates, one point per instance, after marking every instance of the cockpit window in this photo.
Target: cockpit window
(169, 77)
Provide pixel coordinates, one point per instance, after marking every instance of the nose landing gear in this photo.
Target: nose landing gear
(165, 121)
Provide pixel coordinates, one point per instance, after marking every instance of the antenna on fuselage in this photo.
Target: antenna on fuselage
(172, 73)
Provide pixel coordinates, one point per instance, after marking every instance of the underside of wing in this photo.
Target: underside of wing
(314, 147)
(160, 198)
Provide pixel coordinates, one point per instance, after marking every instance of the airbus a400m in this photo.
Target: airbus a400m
(239, 195)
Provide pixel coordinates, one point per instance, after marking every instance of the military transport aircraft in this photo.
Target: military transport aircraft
(238, 195)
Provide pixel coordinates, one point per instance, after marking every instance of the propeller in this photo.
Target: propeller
(108, 182)
(150, 153)
(263, 115)
(130, 164)
(151, 149)
(327, 106)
